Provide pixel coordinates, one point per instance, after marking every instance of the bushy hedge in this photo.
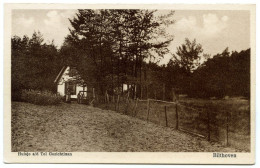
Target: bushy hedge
(40, 97)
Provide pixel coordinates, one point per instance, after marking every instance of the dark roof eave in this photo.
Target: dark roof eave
(60, 74)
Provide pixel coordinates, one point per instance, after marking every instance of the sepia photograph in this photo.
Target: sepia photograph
(131, 80)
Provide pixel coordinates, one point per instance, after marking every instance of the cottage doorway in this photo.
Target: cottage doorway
(70, 88)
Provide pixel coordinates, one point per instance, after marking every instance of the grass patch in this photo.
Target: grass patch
(192, 115)
(80, 128)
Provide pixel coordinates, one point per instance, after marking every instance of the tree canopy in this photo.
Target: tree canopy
(34, 64)
(110, 48)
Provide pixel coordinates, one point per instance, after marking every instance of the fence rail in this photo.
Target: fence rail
(204, 123)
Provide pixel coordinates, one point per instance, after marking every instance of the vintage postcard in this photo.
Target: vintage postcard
(150, 84)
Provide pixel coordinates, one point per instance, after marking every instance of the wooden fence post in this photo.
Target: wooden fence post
(177, 116)
(148, 109)
(147, 93)
(117, 103)
(208, 124)
(127, 102)
(159, 117)
(141, 91)
(165, 111)
(135, 90)
(94, 96)
(135, 107)
(105, 96)
(227, 128)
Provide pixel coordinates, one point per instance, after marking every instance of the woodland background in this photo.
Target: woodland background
(114, 47)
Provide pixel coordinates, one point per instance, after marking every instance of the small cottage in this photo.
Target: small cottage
(69, 80)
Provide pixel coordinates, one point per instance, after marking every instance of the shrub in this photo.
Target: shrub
(40, 97)
(16, 95)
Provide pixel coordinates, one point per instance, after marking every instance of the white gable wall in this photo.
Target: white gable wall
(61, 89)
(61, 84)
(65, 76)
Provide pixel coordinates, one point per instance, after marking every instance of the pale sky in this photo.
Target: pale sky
(214, 30)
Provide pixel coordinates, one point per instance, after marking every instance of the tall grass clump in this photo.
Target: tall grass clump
(40, 97)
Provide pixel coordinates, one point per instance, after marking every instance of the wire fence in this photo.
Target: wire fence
(215, 125)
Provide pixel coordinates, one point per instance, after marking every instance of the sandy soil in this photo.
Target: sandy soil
(81, 128)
